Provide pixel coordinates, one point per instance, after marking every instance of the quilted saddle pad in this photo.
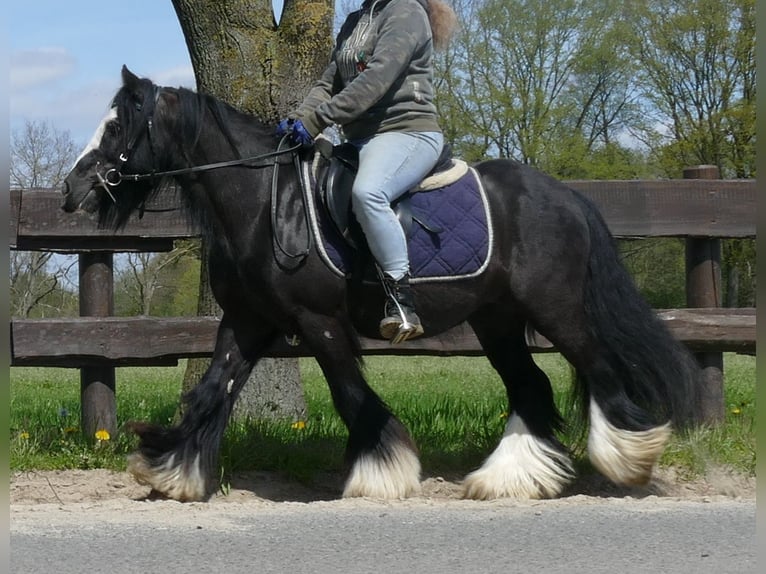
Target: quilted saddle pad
(455, 242)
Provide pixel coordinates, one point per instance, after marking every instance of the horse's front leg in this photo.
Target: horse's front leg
(382, 456)
(180, 461)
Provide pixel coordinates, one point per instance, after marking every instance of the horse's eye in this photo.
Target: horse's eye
(113, 129)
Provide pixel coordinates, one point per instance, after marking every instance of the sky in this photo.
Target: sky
(66, 57)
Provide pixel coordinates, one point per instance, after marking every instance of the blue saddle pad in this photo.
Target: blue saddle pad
(458, 245)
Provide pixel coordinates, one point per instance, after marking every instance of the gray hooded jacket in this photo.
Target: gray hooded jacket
(380, 75)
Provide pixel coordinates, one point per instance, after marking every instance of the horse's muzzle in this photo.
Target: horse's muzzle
(86, 200)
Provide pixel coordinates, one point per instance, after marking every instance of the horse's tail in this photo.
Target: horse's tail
(643, 379)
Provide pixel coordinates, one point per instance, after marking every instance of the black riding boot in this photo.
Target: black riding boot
(400, 322)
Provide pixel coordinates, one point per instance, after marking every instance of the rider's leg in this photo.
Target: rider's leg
(390, 164)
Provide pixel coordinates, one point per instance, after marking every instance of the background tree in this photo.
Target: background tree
(40, 283)
(609, 90)
(40, 287)
(696, 63)
(542, 82)
(242, 55)
(41, 156)
(158, 283)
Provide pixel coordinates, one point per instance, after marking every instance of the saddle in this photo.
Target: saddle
(336, 177)
(446, 219)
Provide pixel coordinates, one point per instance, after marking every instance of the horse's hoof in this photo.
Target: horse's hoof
(177, 481)
(522, 467)
(393, 477)
(625, 457)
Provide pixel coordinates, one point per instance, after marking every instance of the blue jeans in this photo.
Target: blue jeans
(390, 164)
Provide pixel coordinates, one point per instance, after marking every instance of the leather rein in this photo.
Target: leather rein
(114, 176)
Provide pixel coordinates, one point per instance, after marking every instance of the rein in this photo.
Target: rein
(114, 177)
(300, 256)
(208, 166)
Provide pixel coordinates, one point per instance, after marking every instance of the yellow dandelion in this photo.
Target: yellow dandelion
(24, 435)
(299, 425)
(503, 415)
(102, 435)
(735, 411)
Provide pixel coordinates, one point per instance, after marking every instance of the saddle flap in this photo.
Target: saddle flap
(336, 194)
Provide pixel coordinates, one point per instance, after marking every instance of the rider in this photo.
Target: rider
(378, 88)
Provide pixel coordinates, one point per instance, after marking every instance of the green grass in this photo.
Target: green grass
(454, 407)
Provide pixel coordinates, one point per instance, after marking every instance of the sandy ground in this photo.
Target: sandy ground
(85, 488)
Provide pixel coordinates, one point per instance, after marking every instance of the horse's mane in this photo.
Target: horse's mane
(191, 112)
(192, 109)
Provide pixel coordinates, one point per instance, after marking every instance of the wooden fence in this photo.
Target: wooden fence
(700, 208)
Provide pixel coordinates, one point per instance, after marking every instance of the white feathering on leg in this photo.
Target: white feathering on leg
(522, 466)
(170, 479)
(392, 477)
(625, 457)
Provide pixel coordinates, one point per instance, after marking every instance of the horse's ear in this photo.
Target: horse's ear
(128, 77)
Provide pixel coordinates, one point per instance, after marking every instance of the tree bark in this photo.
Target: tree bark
(243, 57)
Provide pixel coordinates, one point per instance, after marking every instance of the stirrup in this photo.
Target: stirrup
(401, 328)
(400, 322)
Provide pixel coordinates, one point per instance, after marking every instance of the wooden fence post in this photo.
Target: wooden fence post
(703, 289)
(97, 383)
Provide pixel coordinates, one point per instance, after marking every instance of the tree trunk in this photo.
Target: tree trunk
(243, 57)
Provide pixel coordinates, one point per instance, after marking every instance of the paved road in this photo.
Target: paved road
(609, 535)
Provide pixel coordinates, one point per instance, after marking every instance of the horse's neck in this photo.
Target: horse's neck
(227, 201)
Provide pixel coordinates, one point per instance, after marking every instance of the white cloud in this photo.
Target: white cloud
(77, 108)
(180, 76)
(39, 67)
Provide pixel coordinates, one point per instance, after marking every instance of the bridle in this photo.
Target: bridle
(113, 177)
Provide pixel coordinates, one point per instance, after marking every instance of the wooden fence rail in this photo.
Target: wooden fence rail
(161, 341)
(700, 208)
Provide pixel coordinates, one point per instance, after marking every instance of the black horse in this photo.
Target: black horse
(553, 266)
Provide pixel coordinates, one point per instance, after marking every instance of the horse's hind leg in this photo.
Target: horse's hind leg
(628, 430)
(180, 461)
(382, 457)
(529, 462)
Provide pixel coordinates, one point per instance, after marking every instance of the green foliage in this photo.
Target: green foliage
(738, 259)
(183, 300)
(657, 265)
(529, 79)
(575, 159)
(159, 284)
(180, 298)
(697, 68)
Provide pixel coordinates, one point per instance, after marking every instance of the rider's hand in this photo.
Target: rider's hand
(300, 134)
(283, 127)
